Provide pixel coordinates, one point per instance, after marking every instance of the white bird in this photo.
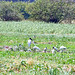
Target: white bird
(29, 42)
(55, 48)
(62, 48)
(36, 48)
(29, 50)
(53, 51)
(45, 49)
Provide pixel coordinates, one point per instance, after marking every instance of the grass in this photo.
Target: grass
(42, 41)
(13, 62)
(29, 27)
(30, 63)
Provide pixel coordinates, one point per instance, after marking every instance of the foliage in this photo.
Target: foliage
(10, 11)
(44, 10)
(50, 11)
(19, 0)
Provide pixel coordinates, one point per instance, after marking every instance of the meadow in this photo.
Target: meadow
(36, 27)
(37, 63)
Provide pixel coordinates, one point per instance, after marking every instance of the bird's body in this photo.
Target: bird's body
(29, 50)
(36, 48)
(55, 48)
(62, 48)
(53, 51)
(45, 49)
(29, 42)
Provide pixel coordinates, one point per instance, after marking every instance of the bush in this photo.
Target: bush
(43, 10)
(50, 11)
(10, 11)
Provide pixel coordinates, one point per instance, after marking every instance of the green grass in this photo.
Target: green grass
(13, 33)
(42, 41)
(29, 27)
(12, 62)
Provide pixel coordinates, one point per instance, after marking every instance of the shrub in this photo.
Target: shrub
(10, 11)
(50, 11)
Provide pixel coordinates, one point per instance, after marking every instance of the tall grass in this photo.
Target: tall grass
(36, 27)
(36, 63)
(46, 35)
(42, 41)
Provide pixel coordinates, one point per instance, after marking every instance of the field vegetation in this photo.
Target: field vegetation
(42, 21)
(36, 27)
(37, 63)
